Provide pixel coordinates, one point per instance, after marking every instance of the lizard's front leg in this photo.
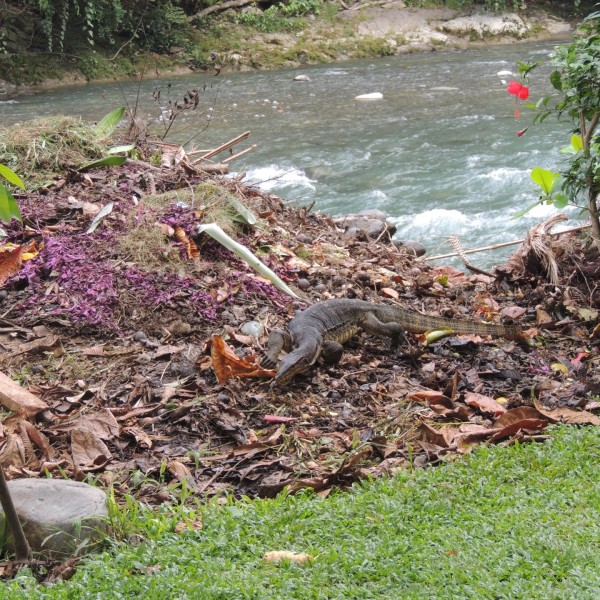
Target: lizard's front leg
(279, 339)
(331, 352)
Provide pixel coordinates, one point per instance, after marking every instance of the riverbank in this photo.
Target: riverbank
(360, 31)
(130, 323)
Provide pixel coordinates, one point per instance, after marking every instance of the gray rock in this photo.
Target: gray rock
(483, 25)
(373, 213)
(412, 246)
(59, 516)
(366, 224)
(375, 227)
(302, 78)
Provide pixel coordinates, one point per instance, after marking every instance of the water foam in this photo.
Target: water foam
(433, 223)
(275, 177)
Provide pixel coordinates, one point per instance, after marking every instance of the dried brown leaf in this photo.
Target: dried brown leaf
(192, 525)
(516, 415)
(226, 364)
(431, 398)
(13, 451)
(516, 426)
(11, 259)
(276, 556)
(39, 439)
(181, 472)
(39, 345)
(484, 403)
(141, 438)
(89, 452)
(569, 415)
(513, 312)
(102, 424)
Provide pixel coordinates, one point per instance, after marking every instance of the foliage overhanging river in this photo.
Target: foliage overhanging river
(439, 154)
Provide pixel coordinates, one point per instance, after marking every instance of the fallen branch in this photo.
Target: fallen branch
(215, 168)
(234, 156)
(223, 147)
(496, 246)
(218, 234)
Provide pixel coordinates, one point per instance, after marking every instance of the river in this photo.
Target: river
(439, 154)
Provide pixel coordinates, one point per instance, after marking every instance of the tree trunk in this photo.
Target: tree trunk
(594, 215)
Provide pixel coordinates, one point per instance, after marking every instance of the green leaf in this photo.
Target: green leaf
(568, 150)
(106, 210)
(108, 124)
(544, 178)
(577, 142)
(11, 176)
(560, 200)
(244, 214)
(117, 149)
(109, 161)
(575, 146)
(8, 206)
(556, 80)
(526, 210)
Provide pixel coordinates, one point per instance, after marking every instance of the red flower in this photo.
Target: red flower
(518, 90)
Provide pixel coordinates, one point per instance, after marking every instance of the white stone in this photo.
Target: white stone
(371, 96)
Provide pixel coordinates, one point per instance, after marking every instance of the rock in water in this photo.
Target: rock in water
(372, 96)
(58, 515)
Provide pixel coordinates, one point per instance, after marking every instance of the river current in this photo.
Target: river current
(439, 153)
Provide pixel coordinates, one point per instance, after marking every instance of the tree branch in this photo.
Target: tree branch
(590, 130)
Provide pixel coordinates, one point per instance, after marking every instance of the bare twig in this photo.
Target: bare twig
(223, 147)
(496, 246)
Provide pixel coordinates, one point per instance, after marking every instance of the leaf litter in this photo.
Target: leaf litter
(141, 338)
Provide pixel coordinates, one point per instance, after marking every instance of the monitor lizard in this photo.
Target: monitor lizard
(321, 329)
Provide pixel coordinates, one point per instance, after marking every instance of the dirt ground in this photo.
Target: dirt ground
(114, 331)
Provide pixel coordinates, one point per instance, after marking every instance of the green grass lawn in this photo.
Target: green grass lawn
(517, 522)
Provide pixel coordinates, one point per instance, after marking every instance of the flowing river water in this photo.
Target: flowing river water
(439, 154)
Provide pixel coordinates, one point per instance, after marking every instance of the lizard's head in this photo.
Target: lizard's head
(290, 367)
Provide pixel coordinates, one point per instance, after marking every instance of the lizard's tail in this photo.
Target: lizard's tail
(474, 327)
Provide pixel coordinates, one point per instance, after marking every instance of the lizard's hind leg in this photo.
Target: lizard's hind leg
(393, 330)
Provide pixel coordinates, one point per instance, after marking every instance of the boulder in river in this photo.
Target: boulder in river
(371, 96)
(368, 224)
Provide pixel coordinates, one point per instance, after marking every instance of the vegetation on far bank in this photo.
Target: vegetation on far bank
(42, 40)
